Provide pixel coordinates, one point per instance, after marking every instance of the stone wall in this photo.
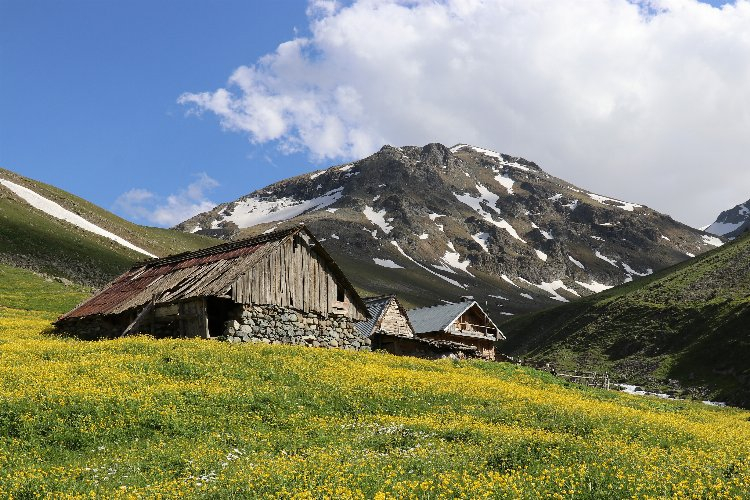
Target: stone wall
(279, 325)
(393, 321)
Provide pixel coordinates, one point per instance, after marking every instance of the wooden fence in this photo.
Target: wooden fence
(591, 379)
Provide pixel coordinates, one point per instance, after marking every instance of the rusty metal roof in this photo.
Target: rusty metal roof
(202, 273)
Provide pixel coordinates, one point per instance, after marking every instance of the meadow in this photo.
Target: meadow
(146, 418)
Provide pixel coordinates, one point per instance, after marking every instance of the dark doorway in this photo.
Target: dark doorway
(218, 311)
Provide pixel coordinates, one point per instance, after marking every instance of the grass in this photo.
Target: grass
(22, 289)
(146, 418)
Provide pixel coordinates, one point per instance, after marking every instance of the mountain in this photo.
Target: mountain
(733, 222)
(689, 323)
(432, 223)
(53, 232)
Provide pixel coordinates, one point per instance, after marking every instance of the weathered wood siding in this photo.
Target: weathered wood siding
(473, 320)
(292, 274)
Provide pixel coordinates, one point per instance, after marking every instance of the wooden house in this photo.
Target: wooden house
(390, 330)
(280, 287)
(463, 323)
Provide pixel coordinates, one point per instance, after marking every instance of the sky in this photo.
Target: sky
(160, 110)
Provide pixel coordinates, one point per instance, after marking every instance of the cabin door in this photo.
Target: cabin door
(193, 319)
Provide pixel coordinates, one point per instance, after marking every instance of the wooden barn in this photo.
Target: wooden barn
(463, 323)
(280, 287)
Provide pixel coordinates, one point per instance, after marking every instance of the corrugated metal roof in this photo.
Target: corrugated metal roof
(375, 306)
(202, 273)
(436, 318)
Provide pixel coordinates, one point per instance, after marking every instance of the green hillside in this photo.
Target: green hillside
(689, 324)
(29, 238)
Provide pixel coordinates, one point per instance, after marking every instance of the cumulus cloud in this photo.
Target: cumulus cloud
(647, 100)
(144, 206)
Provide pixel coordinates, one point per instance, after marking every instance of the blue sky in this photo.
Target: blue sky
(88, 93)
(650, 109)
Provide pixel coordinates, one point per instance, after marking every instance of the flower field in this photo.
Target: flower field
(145, 418)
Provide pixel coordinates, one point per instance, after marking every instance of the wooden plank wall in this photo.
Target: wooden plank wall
(293, 275)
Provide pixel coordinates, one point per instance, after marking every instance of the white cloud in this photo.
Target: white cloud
(647, 101)
(144, 206)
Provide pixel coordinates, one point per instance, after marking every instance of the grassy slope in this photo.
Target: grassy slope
(144, 417)
(690, 322)
(29, 238)
(22, 289)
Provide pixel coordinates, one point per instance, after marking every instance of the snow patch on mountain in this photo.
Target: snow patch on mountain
(508, 280)
(475, 202)
(255, 210)
(577, 263)
(599, 255)
(712, 240)
(424, 236)
(453, 259)
(722, 228)
(58, 212)
(552, 288)
(547, 235)
(615, 203)
(378, 218)
(594, 286)
(482, 239)
(541, 255)
(445, 278)
(505, 182)
(632, 271)
(387, 263)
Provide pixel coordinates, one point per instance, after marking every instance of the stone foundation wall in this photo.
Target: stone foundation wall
(279, 325)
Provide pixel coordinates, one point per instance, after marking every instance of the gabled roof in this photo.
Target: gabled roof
(201, 273)
(377, 306)
(439, 318)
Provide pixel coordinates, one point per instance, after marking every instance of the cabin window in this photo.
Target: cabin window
(339, 293)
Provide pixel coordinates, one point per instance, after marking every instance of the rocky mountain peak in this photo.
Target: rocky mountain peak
(435, 223)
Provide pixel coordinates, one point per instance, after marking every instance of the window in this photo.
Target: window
(339, 293)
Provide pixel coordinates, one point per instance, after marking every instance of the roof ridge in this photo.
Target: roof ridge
(443, 305)
(220, 248)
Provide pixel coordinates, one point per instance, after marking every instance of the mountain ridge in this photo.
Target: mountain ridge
(441, 222)
(684, 326)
